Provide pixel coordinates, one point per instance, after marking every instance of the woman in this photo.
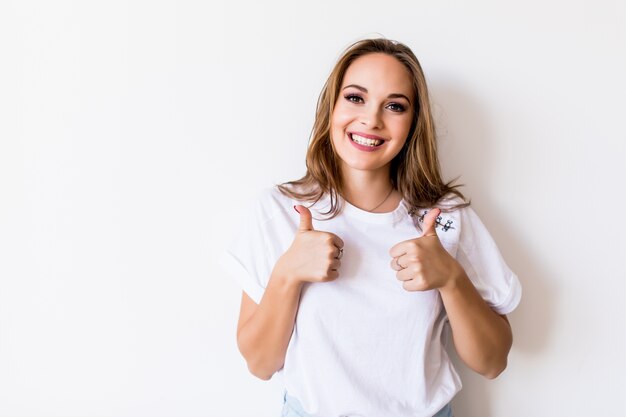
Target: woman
(349, 294)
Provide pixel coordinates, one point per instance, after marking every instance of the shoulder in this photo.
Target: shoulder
(470, 230)
(457, 222)
(270, 202)
(272, 206)
(449, 220)
(457, 209)
(272, 196)
(451, 203)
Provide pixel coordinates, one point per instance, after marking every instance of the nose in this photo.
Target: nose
(371, 117)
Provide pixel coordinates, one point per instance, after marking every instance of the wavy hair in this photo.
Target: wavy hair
(415, 172)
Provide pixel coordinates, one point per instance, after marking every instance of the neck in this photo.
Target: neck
(369, 190)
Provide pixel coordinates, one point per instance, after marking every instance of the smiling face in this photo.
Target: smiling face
(373, 113)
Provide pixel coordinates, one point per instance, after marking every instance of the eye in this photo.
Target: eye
(396, 107)
(354, 98)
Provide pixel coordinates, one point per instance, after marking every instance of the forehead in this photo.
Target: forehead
(379, 71)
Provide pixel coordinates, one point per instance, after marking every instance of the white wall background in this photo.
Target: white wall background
(134, 133)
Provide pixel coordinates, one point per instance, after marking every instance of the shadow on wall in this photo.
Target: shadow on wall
(467, 146)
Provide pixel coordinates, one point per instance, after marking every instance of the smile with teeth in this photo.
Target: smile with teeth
(365, 141)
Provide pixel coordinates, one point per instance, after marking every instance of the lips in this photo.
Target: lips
(366, 140)
(365, 144)
(366, 135)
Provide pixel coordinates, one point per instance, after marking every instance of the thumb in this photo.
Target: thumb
(306, 220)
(430, 223)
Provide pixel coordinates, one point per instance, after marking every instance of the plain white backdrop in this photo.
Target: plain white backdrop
(133, 134)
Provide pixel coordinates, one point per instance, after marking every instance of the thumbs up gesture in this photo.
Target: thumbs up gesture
(423, 263)
(314, 256)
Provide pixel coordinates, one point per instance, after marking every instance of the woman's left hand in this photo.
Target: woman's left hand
(423, 263)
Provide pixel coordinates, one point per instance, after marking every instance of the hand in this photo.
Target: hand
(313, 256)
(423, 263)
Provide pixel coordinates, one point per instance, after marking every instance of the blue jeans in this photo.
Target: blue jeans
(292, 408)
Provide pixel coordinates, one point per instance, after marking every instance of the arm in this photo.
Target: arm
(264, 330)
(482, 337)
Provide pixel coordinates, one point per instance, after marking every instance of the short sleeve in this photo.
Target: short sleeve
(246, 258)
(479, 256)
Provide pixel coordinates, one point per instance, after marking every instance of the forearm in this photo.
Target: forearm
(264, 338)
(481, 336)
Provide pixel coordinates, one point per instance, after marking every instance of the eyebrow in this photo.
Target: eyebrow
(392, 95)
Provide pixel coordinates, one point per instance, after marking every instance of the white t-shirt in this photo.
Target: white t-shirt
(362, 345)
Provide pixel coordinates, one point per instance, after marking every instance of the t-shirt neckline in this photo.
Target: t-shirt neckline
(389, 217)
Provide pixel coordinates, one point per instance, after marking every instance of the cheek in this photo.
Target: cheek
(403, 128)
(401, 132)
(341, 118)
(338, 124)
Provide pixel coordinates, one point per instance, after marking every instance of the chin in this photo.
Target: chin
(363, 165)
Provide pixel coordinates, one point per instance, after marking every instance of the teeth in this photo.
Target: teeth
(365, 141)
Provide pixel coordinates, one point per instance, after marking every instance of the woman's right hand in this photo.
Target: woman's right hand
(313, 256)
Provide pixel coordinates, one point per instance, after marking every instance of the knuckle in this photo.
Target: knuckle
(421, 283)
(329, 276)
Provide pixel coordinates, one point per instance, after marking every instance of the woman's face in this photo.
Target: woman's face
(373, 112)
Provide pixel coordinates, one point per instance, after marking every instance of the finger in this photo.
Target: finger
(306, 220)
(336, 240)
(395, 265)
(406, 274)
(398, 249)
(335, 264)
(430, 223)
(415, 285)
(411, 275)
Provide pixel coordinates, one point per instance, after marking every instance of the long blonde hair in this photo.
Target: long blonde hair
(414, 172)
